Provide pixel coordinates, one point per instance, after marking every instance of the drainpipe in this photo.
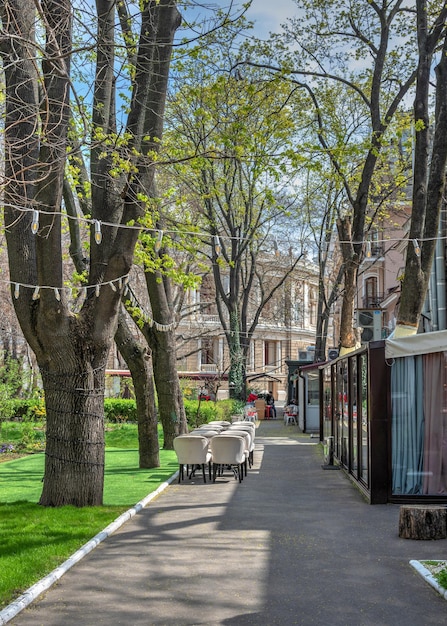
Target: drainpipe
(304, 399)
(431, 304)
(440, 271)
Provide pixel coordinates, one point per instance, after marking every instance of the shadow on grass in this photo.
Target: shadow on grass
(125, 483)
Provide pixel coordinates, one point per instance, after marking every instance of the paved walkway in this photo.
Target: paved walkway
(291, 544)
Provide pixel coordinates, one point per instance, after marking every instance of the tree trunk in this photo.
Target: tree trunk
(170, 397)
(139, 363)
(423, 522)
(236, 376)
(161, 339)
(72, 347)
(428, 189)
(348, 339)
(74, 455)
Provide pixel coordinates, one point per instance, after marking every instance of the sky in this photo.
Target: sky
(270, 14)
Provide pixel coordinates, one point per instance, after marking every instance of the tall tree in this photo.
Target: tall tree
(72, 345)
(136, 356)
(430, 159)
(369, 51)
(238, 142)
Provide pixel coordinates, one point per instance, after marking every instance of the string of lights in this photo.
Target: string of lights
(122, 281)
(99, 224)
(117, 284)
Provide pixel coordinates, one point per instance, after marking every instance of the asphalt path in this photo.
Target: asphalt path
(292, 544)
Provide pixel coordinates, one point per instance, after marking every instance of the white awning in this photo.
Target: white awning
(424, 343)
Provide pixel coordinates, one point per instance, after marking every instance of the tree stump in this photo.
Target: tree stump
(423, 522)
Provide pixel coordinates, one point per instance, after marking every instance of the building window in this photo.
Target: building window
(312, 307)
(270, 352)
(207, 356)
(376, 243)
(371, 293)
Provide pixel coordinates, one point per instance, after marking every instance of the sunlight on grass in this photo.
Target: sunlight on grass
(36, 539)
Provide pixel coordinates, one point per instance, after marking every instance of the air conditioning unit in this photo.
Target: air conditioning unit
(370, 321)
(305, 355)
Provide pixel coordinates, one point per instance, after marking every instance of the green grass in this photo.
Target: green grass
(441, 577)
(36, 539)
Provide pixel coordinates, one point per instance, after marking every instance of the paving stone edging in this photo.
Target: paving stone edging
(9, 612)
(429, 578)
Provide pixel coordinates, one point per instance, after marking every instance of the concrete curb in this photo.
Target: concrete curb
(429, 578)
(9, 612)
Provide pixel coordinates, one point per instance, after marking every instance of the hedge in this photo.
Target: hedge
(120, 410)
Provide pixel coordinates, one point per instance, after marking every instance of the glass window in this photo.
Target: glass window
(419, 424)
(354, 400)
(327, 399)
(207, 352)
(312, 307)
(207, 296)
(340, 410)
(363, 414)
(313, 388)
(270, 352)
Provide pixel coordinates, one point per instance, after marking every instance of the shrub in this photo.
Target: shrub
(22, 437)
(27, 408)
(227, 408)
(196, 414)
(120, 410)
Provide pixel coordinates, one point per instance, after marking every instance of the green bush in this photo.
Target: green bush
(12, 386)
(196, 414)
(120, 410)
(23, 436)
(26, 408)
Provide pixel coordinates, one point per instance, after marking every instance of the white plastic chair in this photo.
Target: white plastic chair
(291, 415)
(192, 450)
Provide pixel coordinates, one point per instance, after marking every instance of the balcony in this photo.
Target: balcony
(377, 252)
(373, 302)
(208, 367)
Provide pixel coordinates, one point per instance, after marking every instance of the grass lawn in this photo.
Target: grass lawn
(34, 539)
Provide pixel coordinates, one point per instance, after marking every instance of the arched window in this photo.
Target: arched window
(371, 293)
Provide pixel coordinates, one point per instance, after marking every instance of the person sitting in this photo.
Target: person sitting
(270, 401)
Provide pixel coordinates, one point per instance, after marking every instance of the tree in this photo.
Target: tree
(321, 200)
(135, 355)
(72, 344)
(235, 142)
(367, 50)
(139, 361)
(429, 174)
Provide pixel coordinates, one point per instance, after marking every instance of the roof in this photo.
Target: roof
(424, 343)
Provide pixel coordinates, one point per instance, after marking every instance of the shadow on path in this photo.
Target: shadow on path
(292, 544)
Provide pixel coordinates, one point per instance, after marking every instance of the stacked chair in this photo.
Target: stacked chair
(228, 451)
(220, 445)
(192, 451)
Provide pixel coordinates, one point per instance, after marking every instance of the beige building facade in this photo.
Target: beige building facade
(286, 330)
(380, 274)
